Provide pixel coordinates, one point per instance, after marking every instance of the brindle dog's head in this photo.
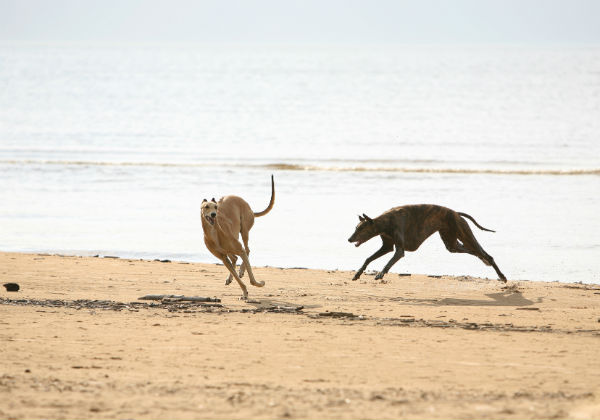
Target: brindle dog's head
(208, 211)
(365, 230)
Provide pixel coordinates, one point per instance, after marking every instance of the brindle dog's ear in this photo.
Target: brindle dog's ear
(367, 218)
(213, 200)
(204, 201)
(362, 219)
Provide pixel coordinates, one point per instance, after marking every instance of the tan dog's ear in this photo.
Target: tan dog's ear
(213, 200)
(362, 219)
(204, 201)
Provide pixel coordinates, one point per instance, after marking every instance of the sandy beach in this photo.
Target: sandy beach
(78, 343)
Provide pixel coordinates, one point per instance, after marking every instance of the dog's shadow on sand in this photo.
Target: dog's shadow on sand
(270, 304)
(495, 299)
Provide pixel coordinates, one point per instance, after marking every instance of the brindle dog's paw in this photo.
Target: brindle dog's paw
(356, 276)
(379, 275)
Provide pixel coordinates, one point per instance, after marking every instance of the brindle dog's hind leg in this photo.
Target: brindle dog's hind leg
(387, 246)
(469, 246)
(452, 244)
(460, 231)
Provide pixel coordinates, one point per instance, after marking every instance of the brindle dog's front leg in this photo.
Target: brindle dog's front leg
(387, 246)
(397, 255)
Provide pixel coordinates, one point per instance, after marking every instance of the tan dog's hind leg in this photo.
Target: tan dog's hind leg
(253, 282)
(233, 261)
(231, 269)
(244, 232)
(242, 268)
(240, 273)
(243, 264)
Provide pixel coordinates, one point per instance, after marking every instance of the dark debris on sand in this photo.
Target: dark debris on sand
(171, 303)
(11, 287)
(183, 306)
(79, 304)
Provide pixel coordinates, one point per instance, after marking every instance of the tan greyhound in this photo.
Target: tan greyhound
(222, 223)
(406, 227)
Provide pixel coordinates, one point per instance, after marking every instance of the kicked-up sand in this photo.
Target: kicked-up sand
(77, 343)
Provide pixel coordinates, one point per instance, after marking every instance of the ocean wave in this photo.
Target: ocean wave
(283, 166)
(499, 171)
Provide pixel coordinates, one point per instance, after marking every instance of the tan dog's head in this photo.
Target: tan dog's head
(208, 211)
(364, 231)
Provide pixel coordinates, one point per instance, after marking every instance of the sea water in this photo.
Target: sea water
(110, 149)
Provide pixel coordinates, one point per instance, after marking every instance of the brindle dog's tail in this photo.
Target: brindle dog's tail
(270, 206)
(473, 220)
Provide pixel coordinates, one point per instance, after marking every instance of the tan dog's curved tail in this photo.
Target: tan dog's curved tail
(271, 203)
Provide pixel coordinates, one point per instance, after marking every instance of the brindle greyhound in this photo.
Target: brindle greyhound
(407, 227)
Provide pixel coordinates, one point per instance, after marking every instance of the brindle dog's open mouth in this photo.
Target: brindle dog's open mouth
(358, 243)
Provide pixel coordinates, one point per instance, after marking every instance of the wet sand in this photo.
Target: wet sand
(77, 342)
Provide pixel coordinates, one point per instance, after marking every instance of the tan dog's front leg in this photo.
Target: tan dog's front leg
(240, 273)
(253, 282)
(242, 269)
(231, 269)
(233, 261)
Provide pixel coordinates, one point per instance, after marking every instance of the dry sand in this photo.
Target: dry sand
(77, 343)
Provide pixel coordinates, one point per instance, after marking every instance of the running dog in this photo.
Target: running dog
(222, 223)
(407, 227)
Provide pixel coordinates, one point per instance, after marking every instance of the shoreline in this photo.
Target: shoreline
(150, 256)
(79, 343)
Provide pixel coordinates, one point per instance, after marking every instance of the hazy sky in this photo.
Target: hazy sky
(303, 22)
